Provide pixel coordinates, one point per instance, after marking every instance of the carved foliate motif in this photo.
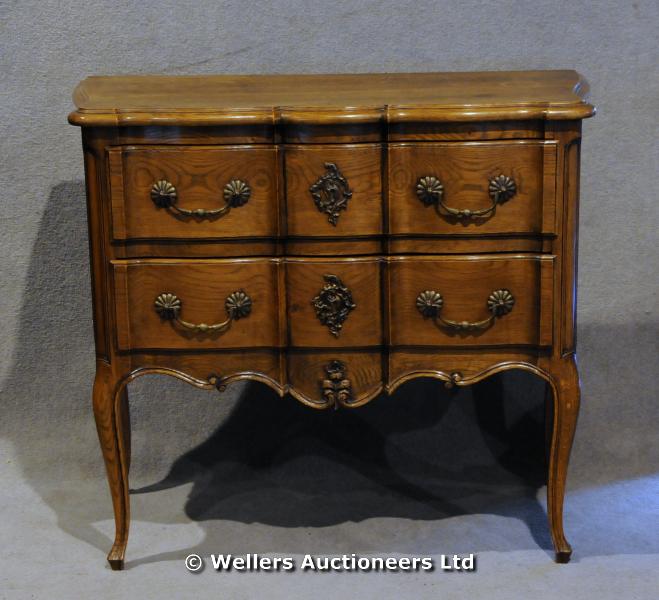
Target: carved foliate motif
(333, 304)
(331, 193)
(336, 386)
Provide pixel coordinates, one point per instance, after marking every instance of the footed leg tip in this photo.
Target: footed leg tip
(116, 564)
(563, 556)
(116, 557)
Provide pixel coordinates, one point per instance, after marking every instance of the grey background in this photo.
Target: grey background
(303, 485)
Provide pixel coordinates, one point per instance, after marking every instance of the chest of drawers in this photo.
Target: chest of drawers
(332, 236)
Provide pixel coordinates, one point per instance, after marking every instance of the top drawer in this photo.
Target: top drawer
(472, 188)
(192, 192)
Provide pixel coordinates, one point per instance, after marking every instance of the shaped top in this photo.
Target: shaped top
(331, 98)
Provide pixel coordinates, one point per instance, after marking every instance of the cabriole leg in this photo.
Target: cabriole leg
(112, 424)
(566, 398)
(124, 418)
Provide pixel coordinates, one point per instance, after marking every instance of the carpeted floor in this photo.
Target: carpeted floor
(293, 482)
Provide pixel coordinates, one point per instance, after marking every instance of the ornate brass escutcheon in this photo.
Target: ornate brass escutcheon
(333, 304)
(331, 193)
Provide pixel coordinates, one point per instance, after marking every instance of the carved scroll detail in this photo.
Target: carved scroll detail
(336, 387)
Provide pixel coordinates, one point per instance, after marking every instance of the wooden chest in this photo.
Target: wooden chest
(332, 236)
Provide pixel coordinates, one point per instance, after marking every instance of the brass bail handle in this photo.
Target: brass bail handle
(430, 191)
(238, 305)
(236, 193)
(430, 303)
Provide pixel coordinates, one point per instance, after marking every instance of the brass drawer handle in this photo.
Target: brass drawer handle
(430, 303)
(236, 193)
(238, 305)
(431, 191)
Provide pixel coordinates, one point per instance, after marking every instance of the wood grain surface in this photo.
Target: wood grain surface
(360, 165)
(384, 131)
(334, 98)
(465, 171)
(306, 372)
(465, 282)
(444, 131)
(304, 281)
(202, 287)
(199, 174)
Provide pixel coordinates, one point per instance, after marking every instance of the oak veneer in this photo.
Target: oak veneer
(202, 288)
(333, 99)
(199, 175)
(465, 169)
(361, 167)
(306, 278)
(465, 283)
(375, 228)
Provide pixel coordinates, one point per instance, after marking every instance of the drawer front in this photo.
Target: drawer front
(475, 188)
(192, 192)
(334, 303)
(187, 304)
(479, 300)
(334, 191)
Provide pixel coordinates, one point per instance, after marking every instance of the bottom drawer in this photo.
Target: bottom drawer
(196, 304)
(481, 300)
